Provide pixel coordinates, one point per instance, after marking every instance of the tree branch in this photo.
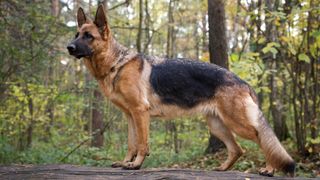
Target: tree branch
(126, 2)
(86, 140)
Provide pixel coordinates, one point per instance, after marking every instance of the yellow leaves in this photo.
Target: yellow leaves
(265, 89)
(287, 40)
(271, 47)
(252, 54)
(279, 82)
(315, 141)
(312, 141)
(234, 57)
(303, 57)
(267, 49)
(291, 49)
(16, 91)
(284, 38)
(248, 68)
(273, 44)
(205, 57)
(262, 40)
(277, 21)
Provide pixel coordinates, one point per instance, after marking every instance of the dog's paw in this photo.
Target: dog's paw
(220, 168)
(131, 166)
(266, 172)
(116, 164)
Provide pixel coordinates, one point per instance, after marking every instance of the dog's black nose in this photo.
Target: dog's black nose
(71, 47)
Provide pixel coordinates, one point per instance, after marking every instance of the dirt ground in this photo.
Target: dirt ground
(16, 172)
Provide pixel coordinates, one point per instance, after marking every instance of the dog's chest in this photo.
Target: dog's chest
(107, 86)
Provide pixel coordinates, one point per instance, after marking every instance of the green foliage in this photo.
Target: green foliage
(304, 57)
(271, 47)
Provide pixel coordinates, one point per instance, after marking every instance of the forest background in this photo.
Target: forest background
(51, 110)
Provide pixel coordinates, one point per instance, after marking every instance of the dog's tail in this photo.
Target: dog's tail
(275, 154)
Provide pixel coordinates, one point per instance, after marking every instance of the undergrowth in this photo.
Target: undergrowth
(190, 154)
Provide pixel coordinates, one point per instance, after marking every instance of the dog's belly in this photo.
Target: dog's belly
(167, 112)
(170, 111)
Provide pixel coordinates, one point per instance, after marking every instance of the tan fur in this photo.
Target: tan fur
(124, 78)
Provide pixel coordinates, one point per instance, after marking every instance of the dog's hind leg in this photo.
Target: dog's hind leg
(247, 121)
(218, 128)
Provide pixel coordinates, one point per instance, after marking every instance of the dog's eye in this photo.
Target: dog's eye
(76, 35)
(87, 35)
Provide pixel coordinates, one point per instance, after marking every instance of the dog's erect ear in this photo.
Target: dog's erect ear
(81, 17)
(101, 20)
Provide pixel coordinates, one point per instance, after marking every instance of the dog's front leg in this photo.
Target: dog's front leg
(140, 117)
(132, 149)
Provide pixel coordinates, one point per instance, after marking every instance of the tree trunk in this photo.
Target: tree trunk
(171, 126)
(29, 131)
(97, 124)
(147, 22)
(50, 105)
(105, 3)
(197, 41)
(139, 36)
(30, 127)
(55, 7)
(217, 33)
(87, 112)
(204, 37)
(218, 51)
(313, 18)
(170, 31)
(276, 104)
(97, 119)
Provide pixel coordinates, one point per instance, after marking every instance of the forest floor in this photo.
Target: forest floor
(17, 172)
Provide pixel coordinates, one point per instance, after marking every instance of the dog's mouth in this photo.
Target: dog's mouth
(79, 56)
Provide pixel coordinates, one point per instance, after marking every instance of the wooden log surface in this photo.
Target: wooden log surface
(16, 172)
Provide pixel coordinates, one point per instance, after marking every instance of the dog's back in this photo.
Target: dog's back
(183, 87)
(187, 83)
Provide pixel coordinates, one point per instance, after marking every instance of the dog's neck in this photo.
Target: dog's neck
(107, 59)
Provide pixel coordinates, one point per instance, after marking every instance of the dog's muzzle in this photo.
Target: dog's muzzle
(79, 51)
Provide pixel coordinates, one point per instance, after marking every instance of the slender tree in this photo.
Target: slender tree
(139, 36)
(275, 99)
(97, 119)
(55, 8)
(217, 33)
(170, 31)
(97, 123)
(217, 50)
(171, 126)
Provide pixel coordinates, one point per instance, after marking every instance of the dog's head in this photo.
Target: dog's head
(91, 36)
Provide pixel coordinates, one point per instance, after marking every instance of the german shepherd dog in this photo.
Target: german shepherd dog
(144, 86)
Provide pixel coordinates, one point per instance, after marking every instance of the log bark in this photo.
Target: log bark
(77, 172)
